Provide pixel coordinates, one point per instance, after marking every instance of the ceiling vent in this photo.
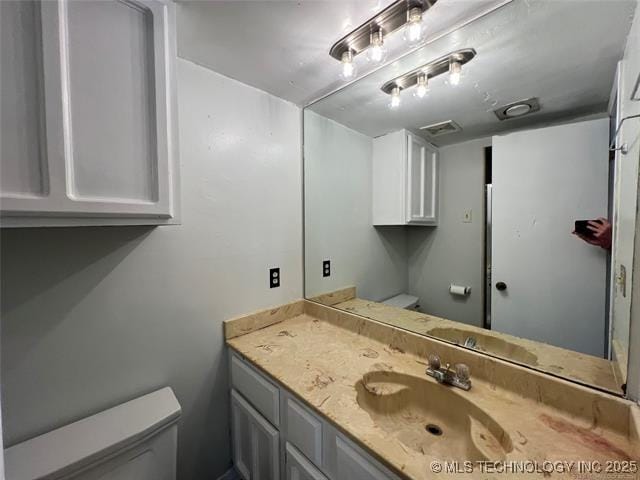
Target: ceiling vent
(442, 128)
(517, 109)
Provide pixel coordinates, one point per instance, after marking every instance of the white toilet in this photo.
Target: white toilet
(135, 440)
(408, 302)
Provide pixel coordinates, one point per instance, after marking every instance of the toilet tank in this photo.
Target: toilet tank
(408, 302)
(135, 440)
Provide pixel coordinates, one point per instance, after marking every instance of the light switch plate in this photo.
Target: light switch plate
(467, 216)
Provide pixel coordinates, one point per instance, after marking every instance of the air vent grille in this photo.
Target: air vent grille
(442, 128)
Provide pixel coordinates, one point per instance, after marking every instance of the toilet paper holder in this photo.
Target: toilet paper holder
(459, 290)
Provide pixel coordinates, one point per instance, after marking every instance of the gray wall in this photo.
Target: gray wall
(453, 251)
(92, 317)
(338, 216)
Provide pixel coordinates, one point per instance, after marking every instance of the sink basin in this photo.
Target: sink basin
(430, 418)
(487, 343)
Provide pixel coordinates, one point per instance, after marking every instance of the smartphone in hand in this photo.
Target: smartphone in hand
(582, 228)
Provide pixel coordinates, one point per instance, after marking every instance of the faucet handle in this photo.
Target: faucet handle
(434, 362)
(462, 372)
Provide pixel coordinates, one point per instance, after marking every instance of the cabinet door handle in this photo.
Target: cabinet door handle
(501, 286)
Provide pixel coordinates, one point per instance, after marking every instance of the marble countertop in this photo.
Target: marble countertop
(584, 368)
(320, 355)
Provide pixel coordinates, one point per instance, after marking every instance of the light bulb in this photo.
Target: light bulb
(348, 66)
(422, 86)
(455, 72)
(376, 53)
(414, 29)
(395, 98)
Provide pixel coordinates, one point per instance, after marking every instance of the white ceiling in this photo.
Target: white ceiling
(562, 51)
(282, 46)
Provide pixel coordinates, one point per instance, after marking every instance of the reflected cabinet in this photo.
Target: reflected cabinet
(88, 112)
(405, 180)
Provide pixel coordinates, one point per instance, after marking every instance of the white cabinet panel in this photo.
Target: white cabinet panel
(405, 180)
(22, 150)
(304, 430)
(389, 178)
(352, 465)
(256, 444)
(422, 184)
(112, 119)
(262, 394)
(103, 106)
(241, 436)
(299, 468)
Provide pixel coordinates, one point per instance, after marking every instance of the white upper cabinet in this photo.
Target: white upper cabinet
(405, 180)
(88, 113)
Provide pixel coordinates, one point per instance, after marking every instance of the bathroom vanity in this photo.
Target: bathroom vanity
(322, 393)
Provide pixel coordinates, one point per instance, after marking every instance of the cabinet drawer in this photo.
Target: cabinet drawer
(303, 430)
(299, 468)
(353, 464)
(263, 395)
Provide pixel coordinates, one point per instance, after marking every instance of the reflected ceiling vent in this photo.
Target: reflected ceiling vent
(442, 128)
(517, 109)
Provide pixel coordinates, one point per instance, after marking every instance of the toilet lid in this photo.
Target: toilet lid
(402, 301)
(91, 439)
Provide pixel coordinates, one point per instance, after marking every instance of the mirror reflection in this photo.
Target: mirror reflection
(467, 191)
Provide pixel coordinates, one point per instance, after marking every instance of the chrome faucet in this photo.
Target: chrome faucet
(470, 342)
(459, 377)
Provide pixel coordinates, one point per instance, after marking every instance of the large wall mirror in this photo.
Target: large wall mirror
(468, 191)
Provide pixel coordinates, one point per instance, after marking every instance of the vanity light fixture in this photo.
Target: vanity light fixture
(371, 34)
(376, 53)
(348, 66)
(421, 76)
(395, 98)
(455, 72)
(422, 85)
(414, 31)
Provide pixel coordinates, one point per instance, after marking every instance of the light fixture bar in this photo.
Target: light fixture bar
(388, 20)
(431, 69)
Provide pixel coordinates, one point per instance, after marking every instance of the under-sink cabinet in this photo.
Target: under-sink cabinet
(89, 113)
(405, 180)
(276, 436)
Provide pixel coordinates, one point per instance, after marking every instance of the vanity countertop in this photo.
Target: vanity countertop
(320, 354)
(567, 363)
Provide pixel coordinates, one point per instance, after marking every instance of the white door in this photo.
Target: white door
(256, 452)
(544, 180)
(422, 181)
(299, 468)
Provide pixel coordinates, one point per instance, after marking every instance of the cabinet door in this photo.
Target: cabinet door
(240, 436)
(99, 102)
(22, 157)
(299, 468)
(422, 182)
(351, 465)
(256, 452)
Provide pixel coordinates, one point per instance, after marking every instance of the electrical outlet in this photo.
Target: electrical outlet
(274, 277)
(467, 216)
(326, 268)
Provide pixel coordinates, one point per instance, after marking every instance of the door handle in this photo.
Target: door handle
(501, 286)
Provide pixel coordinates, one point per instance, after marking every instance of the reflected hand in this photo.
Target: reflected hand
(601, 237)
